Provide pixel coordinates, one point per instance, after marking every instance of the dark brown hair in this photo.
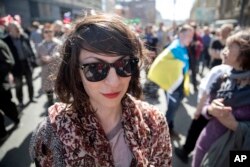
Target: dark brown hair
(98, 33)
(242, 39)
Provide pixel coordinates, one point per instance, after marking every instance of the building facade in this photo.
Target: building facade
(46, 10)
(205, 11)
(144, 10)
(208, 11)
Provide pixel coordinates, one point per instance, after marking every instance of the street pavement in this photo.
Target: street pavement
(14, 151)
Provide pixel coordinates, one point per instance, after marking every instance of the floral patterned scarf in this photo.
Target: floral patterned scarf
(85, 143)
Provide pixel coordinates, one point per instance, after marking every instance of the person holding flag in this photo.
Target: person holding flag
(175, 60)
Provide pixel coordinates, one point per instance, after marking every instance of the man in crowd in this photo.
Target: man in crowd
(170, 71)
(6, 105)
(25, 58)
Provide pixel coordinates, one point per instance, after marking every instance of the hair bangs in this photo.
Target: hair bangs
(99, 39)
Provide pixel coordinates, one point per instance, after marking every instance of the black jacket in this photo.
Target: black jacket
(28, 51)
(6, 64)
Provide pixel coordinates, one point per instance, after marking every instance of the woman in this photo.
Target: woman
(207, 90)
(100, 121)
(231, 104)
(48, 54)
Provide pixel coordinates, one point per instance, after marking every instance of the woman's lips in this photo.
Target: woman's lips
(111, 95)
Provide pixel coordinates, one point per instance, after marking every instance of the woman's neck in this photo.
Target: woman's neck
(109, 117)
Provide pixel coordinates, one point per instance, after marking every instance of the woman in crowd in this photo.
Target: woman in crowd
(47, 55)
(231, 106)
(100, 120)
(207, 90)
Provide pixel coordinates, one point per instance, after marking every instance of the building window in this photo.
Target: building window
(34, 12)
(45, 10)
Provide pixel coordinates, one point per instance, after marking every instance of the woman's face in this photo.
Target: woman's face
(109, 91)
(230, 55)
(48, 34)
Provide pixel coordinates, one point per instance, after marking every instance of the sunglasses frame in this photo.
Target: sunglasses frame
(134, 60)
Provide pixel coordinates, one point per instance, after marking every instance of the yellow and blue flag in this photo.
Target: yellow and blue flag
(170, 68)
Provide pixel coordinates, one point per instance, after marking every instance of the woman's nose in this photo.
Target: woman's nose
(112, 78)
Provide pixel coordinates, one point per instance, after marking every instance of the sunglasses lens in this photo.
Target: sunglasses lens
(96, 71)
(124, 67)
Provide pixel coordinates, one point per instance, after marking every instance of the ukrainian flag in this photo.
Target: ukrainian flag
(170, 68)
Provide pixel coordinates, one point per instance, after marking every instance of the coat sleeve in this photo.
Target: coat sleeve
(45, 150)
(161, 150)
(218, 154)
(6, 60)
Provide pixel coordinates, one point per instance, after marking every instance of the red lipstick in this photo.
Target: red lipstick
(111, 95)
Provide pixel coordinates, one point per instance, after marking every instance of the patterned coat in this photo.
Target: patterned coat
(50, 49)
(70, 138)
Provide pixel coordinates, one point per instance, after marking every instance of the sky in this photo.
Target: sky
(179, 11)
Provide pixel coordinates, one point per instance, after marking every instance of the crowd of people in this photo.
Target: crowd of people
(29, 48)
(99, 113)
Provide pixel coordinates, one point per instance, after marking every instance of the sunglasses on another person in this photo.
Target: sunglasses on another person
(98, 71)
(47, 31)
